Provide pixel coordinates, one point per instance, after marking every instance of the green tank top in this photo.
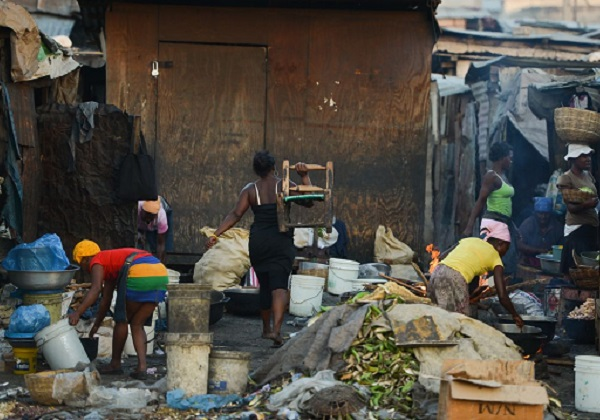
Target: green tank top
(500, 200)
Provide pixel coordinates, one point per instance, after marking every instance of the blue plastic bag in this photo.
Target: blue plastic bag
(29, 319)
(43, 254)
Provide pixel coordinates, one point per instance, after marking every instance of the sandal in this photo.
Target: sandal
(107, 370)
(277, 342)
(140, 376)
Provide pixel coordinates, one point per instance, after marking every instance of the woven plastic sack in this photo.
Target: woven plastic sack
(224, 265)
(29, 319)
(389, 250)
(43, 254)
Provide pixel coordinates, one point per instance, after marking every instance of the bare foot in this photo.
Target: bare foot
(277, 339)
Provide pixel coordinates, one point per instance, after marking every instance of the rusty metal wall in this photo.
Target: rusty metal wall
(346, 86)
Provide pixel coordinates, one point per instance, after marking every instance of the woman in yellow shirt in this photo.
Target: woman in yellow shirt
(469, 258)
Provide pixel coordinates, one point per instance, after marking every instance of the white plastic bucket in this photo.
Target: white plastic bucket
(587, 383)
(174, 276)
(228, 371)
(340, 271)
(306, 295)
(61, 346)
(129, 349)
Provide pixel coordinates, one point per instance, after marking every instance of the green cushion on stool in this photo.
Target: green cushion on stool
(306, 197)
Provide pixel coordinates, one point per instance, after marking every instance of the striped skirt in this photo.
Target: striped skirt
(147, 280)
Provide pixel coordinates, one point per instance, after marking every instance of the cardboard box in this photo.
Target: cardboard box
(490, 389)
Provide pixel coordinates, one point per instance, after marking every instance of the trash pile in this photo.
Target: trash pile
(382, 344)
(587, 310)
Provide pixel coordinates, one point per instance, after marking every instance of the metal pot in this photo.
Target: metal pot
(244, 301)
(549, 264)
(590, 258)
(529, 338)
(42, 280)
(545, 323)
(372, 270)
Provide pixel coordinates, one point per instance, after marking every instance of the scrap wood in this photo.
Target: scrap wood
(404, 283)
(561, 362)
(420, 274)
(76, 286)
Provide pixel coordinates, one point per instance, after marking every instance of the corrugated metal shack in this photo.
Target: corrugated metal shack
(311, 81)
(499, 68)
(53, 181)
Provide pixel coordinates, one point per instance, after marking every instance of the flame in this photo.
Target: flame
(435, 253)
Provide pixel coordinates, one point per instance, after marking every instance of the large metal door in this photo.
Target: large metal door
(211, 119)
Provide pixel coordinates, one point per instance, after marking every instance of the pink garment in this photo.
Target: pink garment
(494, 229)
(159, 224)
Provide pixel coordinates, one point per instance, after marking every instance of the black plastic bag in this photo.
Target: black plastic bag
(137, 176)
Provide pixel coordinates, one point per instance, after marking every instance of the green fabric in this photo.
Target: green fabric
(500, 200)
(146, 284)
(304, 197)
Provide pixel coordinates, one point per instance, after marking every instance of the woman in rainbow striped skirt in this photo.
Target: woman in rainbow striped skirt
(137, 296)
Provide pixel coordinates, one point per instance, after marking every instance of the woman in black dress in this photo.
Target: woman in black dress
(272, 253)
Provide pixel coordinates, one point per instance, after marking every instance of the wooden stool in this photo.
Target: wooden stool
(302, 194)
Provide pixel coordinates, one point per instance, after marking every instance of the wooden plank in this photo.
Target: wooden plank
(213, 25)
(131, 47)
(31, 172)
(367, 111)
(210, 127)
(288, 84)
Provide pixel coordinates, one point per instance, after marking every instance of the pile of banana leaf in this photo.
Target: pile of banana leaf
(374, 361)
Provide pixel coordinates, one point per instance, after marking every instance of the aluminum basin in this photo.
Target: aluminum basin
(42, 280)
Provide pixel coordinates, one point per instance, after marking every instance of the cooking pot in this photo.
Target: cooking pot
(217, 303)
(243, 301)
(529, 338)
(372, 270)
(545, 323)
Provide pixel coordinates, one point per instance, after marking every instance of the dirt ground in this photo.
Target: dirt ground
(239, 333)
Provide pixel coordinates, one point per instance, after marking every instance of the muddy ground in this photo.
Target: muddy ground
(244, 334)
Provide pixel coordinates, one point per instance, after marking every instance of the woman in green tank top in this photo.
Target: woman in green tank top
(496, 195)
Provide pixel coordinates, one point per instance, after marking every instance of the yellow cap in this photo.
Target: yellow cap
(85, 248)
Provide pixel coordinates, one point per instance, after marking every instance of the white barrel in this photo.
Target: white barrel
(306, 295)
(340, 272)
(587, 383)
(61, 346)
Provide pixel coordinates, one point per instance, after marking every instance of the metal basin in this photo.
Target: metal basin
(245, 301)
(372, 270)
(545, 323)
(42, 280)
(529, 338)
(549, 264)
(590, 258)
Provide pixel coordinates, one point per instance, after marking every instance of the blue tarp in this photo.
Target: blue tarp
(177, 399)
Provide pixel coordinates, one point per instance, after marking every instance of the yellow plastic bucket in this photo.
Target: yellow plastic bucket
(25, 360)
(52, 302)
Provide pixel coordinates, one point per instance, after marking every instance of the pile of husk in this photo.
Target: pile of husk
(375, 362)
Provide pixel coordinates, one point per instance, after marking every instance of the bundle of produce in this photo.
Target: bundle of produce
(374, 361)
(586, 311)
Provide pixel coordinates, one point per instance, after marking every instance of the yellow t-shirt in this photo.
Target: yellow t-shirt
(472, 257)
